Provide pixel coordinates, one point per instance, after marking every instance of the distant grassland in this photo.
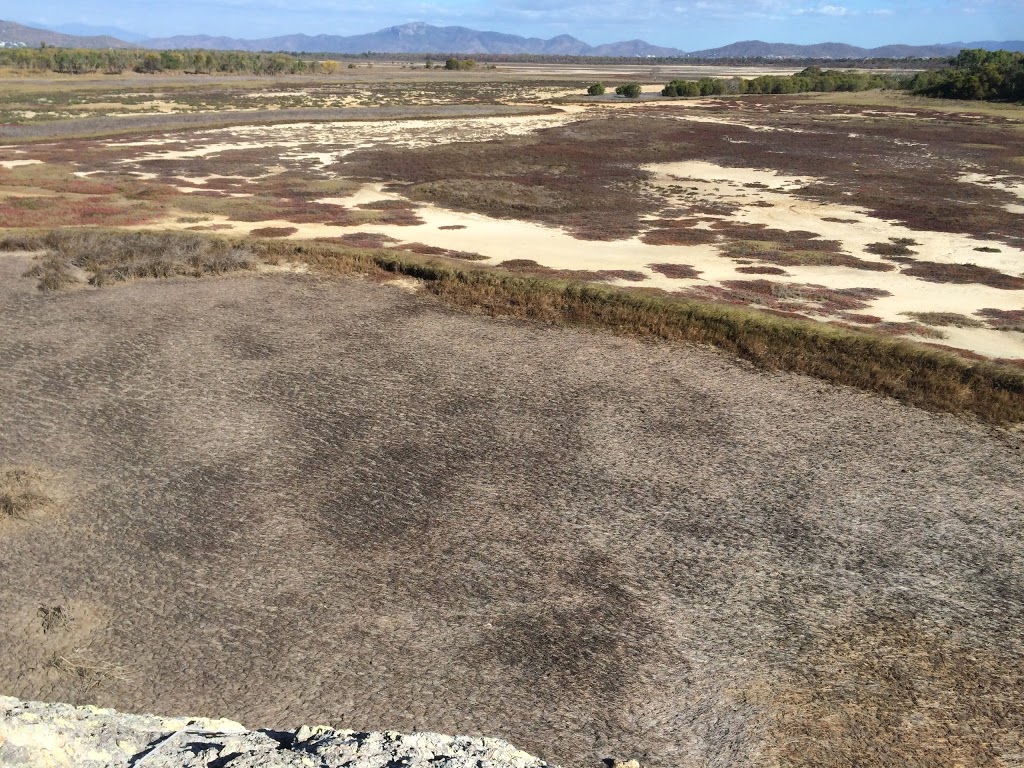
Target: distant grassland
(925, 377)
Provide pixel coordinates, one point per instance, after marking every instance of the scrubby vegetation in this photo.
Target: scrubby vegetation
(976, 74)
(597, 89)
(455, 64)
(111, 257)
(629, 90)
(811, 79)
(113, 61)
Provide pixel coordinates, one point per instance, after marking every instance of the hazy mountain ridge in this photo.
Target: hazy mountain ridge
(10, 32)
(425, 38)
(761, 49)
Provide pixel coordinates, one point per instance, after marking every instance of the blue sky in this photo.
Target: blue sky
(686, 24)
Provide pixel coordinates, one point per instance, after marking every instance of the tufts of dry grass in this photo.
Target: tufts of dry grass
(21, 241)
(24, 493)
(112, 257)
(945, 319)
(89, 672)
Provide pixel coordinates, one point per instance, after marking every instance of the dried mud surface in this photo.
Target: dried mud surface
(292, 500)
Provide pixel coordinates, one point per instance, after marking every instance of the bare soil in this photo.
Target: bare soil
(290, 499)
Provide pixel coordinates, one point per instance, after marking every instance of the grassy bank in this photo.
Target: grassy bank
(922, 376)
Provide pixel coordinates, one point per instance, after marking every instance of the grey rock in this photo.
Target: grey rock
(36, 734)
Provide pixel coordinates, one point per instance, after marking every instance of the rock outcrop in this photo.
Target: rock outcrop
(51, 735)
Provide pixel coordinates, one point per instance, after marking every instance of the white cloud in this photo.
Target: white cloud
(823, 10)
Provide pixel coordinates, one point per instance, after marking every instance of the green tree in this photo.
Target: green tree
(597, 89)
(629, 90)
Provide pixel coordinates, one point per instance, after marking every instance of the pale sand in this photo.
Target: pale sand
(8, 164)
(501, 239)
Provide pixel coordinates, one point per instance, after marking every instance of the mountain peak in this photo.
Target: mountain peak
(412, 28)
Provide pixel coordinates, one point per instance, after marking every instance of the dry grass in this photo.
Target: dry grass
(1004, 319)
(112, 257)
(897, 246)
(25, 493)
(531, 267)
(937, 272)
(273, 231)
(87, 671)
(925, 377)
(677, 271)
(892, 691)
(946, 319)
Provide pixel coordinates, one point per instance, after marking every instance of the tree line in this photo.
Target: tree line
(812, 79)
(111, 61)
(975, 74)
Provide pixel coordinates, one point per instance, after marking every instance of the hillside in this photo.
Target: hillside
(11, 32)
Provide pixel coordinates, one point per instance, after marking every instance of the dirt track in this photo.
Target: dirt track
(300, 501)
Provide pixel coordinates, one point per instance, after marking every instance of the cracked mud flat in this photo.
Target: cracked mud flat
(290, 500)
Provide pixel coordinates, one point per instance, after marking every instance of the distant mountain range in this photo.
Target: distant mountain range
(421, 38)
(759, 49)
(424, 38)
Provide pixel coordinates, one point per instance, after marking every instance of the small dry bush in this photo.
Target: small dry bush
(24, 493)
(1004, 319)
(113, 257)
(682, 235)
(531, 267)
(21, 241)
(936, 272)
(53, 273)
(783, 256)
(363, 239)
(89, 672)
(677, 271)
(495, 196)
(945, 319)
(273, 231)
(434, 250)
(895, 247)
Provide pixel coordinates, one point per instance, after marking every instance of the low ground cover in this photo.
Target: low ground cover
(925, 377)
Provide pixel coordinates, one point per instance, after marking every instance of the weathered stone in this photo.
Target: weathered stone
(40, 735)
